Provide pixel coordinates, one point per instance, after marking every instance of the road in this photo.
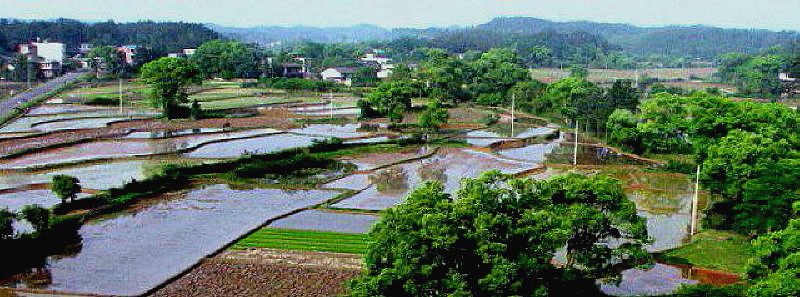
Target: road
(9, 104)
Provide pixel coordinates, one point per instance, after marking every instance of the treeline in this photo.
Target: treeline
(758, 74)
(161, 36)
(540, 49)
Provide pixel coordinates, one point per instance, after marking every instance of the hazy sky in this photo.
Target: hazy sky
(767, 14)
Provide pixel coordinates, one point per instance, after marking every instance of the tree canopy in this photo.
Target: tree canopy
(170, 77)
(227, 59)
(498, 236)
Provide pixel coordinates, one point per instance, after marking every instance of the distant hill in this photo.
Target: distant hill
(269, 34)
(697, 41)
(673, 41)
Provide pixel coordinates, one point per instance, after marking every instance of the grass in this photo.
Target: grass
(714, 249)
(240, 102)
(306, 240)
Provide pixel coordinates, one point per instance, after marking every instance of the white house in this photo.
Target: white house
(373, 57)
(49, 56)
(386, 70)
(783, 76)
(339, 74)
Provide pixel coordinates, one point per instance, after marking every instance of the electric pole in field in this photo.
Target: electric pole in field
(513, 102)
(575, 149)
(121, 111)
(695, 203)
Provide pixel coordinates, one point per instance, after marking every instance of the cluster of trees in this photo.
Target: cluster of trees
(497, 237)
(163, 37)
(758, 74)
(748, 152)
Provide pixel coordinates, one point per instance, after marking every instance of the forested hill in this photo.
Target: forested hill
(269, 34)
(696, 41)
(161, 36)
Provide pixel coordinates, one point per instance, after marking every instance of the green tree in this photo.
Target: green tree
(107, 59)
(495, 72)
(444, 75)
(6, 223)
(226, 59)
(66, 187)
(578, 72)
(433, 116)
(38, 216)
(622, 127)
(497, 237)
(775, 269)
(530, 95)
(571, 96)
(392, 97)
(170, 77)
(757, 175)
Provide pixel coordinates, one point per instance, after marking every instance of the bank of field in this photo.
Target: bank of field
(306, 240)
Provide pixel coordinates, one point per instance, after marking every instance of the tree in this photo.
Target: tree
(6, 223)
(571, 96)
(776, 265)
(226, 59)
(530, 95)
(578, 72)
(66, 187)
(392, 97)
(108, 59)
(170, 77)
(757, 175)
(622, 95)
(38, 216)
(433, 116)
(497, 237)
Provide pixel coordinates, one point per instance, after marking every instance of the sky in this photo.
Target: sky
(762, 14)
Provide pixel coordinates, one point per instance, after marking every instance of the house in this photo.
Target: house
(385, 71)
(85, 48)
(48, 56)
(340, 74)
(374, 56)
(783, 76)
(129, 52)
(295, 70)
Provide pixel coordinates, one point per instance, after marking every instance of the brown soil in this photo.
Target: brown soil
(265, 272)
(273, 118)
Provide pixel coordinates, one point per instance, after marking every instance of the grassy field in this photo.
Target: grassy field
(306, 240)
(715, 249)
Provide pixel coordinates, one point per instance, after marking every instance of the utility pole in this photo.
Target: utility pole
(575, 150)
(331, 98)
(121, 111)
(513, 102)
(695, 203)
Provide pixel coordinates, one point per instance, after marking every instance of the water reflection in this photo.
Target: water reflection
(132, 251)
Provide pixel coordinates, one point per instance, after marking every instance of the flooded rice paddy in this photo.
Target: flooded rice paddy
(390, 186)
(134, 251)
(320, 220)
(260, 145)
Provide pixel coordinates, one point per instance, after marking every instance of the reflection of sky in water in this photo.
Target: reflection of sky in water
(131, 252)
(17, 200)
(658, 280)
(328, 221)
(391, 186)
(331, 130)
(266, 144)
(94, 176)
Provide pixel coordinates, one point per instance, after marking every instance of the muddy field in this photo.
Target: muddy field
(266, 273)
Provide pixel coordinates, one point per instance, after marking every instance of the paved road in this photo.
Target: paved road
(9, 104)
